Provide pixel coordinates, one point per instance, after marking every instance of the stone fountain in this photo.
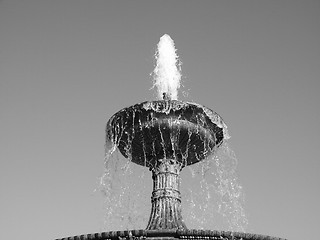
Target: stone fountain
(166, 136)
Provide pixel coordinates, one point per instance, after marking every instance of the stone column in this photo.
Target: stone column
(166, 198)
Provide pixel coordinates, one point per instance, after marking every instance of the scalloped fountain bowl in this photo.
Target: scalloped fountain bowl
(149, 131)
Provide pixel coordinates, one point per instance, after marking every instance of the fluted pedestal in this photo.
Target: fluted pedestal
(166, 199)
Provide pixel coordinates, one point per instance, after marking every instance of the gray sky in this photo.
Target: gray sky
(67, 66)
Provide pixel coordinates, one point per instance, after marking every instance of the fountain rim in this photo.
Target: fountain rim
(175, 105)
(171, 234)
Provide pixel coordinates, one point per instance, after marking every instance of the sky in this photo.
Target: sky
(67, 66)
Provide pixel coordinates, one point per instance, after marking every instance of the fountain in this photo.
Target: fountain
(166, 136)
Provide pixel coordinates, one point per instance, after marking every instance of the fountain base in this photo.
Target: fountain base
(171, 234)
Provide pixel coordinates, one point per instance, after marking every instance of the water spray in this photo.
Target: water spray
(167, 73)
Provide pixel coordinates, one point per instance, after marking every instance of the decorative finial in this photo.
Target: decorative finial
(166, 96)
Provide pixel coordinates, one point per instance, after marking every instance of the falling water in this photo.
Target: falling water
(213, 198)
(167, 74)
(126, 188)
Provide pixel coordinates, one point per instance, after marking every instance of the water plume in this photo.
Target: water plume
(167, 75)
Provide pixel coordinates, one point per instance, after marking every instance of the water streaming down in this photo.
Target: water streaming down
(126, 187)
(140, 137)
(215, 199)
(212, 198)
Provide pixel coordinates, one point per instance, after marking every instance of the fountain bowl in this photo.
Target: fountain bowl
(166, 129)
